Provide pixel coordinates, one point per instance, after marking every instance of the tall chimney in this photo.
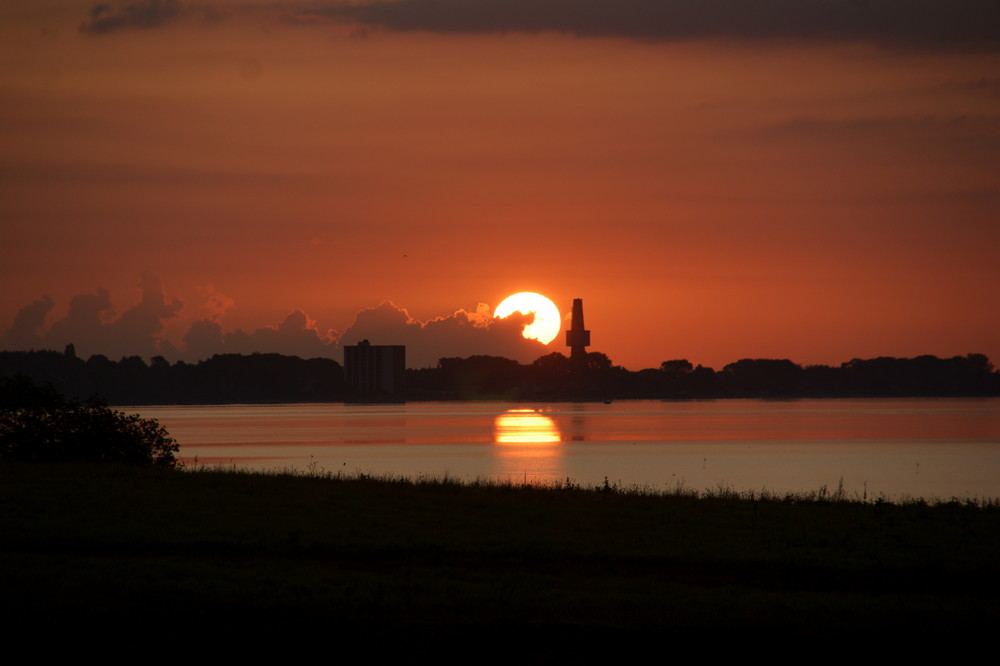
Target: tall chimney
(577, 338)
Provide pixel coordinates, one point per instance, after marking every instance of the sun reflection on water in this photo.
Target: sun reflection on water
(525, 427)
(527, 447)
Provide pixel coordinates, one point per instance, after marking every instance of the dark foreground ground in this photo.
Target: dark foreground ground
(563, 571)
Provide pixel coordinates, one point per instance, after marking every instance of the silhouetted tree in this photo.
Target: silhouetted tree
(675, 378)
(924, 375)
(598, 361)
(762, 377)
(703, 382)
(480, 375)
(554, 364)
(41, 425)
(550, 373)
(676, 368)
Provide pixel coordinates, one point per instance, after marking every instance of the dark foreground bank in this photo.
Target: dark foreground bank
(96, 547)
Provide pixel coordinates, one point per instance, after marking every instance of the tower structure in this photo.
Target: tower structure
(577, 338)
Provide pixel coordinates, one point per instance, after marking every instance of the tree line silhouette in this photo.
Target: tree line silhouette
(254, 378)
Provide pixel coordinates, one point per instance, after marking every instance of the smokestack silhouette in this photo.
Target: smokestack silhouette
(577, 338)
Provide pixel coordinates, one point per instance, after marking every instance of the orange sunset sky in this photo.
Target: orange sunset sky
(717, 180)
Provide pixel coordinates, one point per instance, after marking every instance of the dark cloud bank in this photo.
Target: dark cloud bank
(939, 23)
(966, 24)
(92, 323)
(459, 334)
(105, 18)
(93, 327)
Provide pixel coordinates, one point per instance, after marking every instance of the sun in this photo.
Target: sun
(547, 322)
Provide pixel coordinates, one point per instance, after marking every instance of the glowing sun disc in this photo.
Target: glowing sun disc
(547, 321)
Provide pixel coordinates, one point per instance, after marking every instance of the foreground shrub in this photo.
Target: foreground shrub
(39, 424)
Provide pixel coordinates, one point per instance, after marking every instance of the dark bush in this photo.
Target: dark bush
(39, 424)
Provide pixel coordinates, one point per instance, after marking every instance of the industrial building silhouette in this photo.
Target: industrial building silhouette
(577, 337)
(375, 371)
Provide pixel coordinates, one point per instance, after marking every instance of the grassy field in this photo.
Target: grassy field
(98, 547)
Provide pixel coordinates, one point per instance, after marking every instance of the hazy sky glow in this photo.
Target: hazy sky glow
(717, 180)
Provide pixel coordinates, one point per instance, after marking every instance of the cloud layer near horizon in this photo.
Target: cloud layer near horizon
(139, 14)
(899, 22)
(459, 334)
(911, 23)
(92, 324)
(93, 327)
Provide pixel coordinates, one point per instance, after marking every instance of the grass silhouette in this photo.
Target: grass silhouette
(102, 546)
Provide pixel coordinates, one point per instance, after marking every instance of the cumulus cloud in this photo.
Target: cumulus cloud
(24, 334)
(216, 303)
(296, 335)
(203, 339)
(85, 325)
(462, 334)
(91, 324)
(139, 14)
(138, 330)
(94, 327)
(969, 23)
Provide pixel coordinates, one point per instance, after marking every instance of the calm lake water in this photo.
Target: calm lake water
(892, 447)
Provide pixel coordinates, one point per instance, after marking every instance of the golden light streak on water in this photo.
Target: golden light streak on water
(525, 426)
